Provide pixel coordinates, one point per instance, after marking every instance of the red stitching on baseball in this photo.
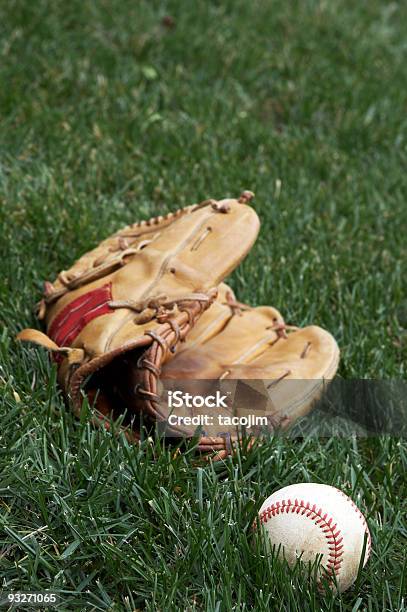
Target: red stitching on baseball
(364, 523)
(335, 546)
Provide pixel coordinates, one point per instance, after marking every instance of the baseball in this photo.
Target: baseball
(311, 519)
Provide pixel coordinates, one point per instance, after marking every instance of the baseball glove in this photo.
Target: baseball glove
(141, 291)
(266, 369)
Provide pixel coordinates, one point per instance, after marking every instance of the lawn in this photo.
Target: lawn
(115, 111)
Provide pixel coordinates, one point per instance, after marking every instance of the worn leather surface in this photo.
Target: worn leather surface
(144, 312)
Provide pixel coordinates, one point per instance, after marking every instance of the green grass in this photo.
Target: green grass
(106, 116)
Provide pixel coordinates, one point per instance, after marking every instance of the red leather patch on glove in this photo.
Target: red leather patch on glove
(73, 318)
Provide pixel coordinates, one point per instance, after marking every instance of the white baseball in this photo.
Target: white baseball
(311, 519)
